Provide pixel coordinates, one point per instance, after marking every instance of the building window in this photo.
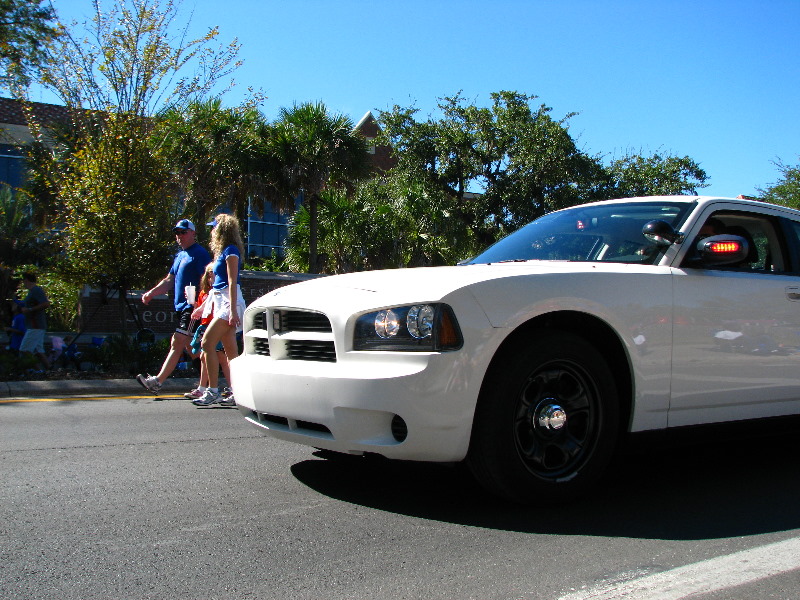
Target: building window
(267, 234)
(12, 166)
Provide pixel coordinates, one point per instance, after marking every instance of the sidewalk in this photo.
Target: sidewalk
(74, 387)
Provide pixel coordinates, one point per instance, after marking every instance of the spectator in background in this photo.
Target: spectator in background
(58, 349)
(35, 305)
(188, 267)
(17, 328)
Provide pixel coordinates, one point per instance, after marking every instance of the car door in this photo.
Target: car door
(737, 328)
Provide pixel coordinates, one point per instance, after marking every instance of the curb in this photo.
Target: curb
(73, 387)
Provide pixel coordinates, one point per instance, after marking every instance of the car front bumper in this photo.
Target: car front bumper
(410, 406)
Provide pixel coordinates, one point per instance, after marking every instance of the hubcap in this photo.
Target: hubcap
(552, 416)
(556, 421)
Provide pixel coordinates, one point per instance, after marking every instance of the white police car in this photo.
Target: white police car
(533, 359)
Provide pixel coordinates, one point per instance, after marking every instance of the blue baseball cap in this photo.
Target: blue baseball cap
(212, 223)
(184, 224)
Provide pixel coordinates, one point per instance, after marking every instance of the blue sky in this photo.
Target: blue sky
(717, 80)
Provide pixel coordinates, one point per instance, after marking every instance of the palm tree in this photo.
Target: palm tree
(216, 153)
(16, 229)
(314, 151)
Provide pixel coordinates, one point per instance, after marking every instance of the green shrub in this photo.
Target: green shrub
(272, 263)
(14, 367)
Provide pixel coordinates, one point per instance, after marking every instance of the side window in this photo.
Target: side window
(767, 252)
(792, 229)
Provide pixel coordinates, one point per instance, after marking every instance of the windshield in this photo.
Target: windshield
(604, 232)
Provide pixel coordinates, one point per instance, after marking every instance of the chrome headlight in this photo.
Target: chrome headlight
(416, 327)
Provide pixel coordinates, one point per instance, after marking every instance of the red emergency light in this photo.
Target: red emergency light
(724, 247)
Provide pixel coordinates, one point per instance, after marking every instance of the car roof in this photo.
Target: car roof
(700, 200)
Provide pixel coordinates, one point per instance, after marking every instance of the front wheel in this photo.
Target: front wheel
(546, 423)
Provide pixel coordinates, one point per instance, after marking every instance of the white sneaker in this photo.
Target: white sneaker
(149, 382)
(228, 401)
(194, 394)
(207, 399)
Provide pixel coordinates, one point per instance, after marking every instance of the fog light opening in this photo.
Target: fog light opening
(399, 429)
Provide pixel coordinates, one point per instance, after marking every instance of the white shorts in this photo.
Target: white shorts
(33, 341)
(218, 304)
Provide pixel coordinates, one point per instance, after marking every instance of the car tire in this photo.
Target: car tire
(547, 420)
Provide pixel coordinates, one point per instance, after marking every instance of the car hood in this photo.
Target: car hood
(374, 289)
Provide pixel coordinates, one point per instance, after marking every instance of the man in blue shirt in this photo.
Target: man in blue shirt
(189, 265)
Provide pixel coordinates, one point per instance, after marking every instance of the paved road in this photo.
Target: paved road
(142, 498)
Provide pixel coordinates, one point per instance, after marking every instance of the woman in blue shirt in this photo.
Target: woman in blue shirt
(225, 302)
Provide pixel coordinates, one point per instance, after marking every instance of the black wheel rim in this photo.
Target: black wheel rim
(556, 449)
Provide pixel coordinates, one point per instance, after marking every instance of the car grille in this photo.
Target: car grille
(261, 343)
(297, 335)
(279, 423)
(300, 320)
(261, 346)
(308, 350)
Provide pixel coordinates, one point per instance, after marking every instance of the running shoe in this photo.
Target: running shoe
(207, 399)
(227, 401)
(149, 382)
(194, 394)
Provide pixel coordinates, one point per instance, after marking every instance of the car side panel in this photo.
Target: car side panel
(737, 346)
(636, 302)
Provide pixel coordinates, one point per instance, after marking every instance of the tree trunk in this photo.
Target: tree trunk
(312, 235)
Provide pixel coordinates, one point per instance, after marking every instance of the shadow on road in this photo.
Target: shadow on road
(718, 490)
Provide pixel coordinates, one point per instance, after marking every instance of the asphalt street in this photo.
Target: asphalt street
(137, 497)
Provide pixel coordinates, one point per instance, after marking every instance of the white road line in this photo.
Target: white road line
(703, 577)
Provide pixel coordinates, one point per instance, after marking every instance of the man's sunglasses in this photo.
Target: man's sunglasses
(181, 231)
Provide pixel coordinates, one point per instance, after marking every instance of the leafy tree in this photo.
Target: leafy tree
(656, 175)
(389, 222)
(217, 154)
(786, 190)
(20, 242)
(503, 165)
(341, 220)
(313, 151)
(133, 60)
(116, 217)
(16, 236)
(111, 180)
(411, 224)
(16, 231)
(47, 161)
(26, 28)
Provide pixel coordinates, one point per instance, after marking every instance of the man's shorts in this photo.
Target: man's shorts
(185, 324)
(33, 341)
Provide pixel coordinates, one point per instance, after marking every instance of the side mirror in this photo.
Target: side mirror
(722, 249)
(660, 233)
